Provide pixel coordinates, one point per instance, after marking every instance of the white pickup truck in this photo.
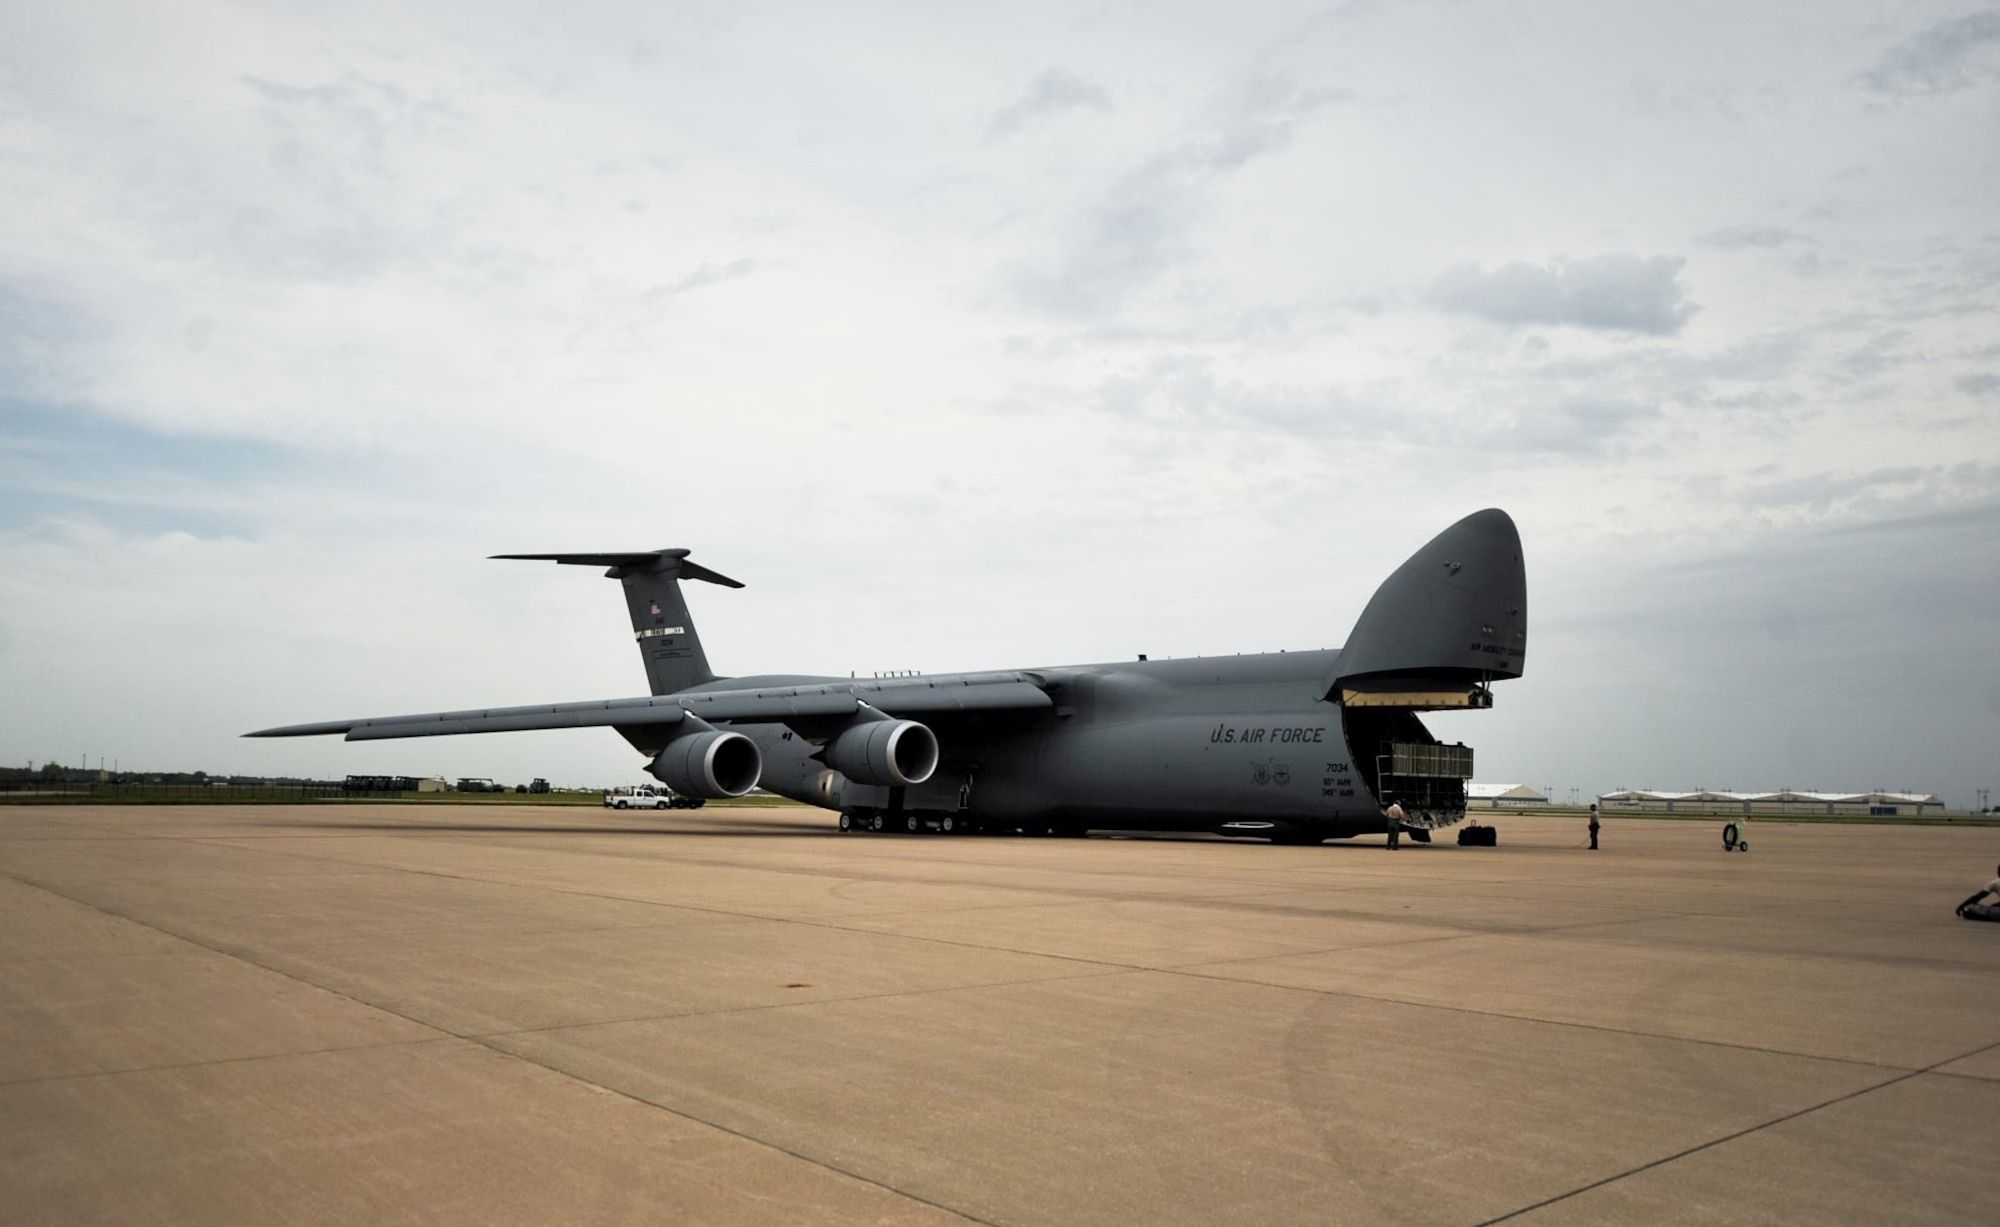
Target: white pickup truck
(645, 796)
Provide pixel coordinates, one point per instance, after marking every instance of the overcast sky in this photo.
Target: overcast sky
(993, 336)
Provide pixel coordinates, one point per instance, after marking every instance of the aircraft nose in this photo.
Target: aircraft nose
(1457, 608)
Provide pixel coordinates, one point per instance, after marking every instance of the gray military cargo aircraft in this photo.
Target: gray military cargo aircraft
(1296, 747)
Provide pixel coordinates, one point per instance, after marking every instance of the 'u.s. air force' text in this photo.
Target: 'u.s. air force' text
(1271, 735)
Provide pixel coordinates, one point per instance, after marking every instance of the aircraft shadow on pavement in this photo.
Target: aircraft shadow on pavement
(769, 832)
(499, 829)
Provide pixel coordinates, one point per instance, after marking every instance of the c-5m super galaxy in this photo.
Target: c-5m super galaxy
(1295, 747)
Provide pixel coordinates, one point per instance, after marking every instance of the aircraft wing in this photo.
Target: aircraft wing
(912, 697)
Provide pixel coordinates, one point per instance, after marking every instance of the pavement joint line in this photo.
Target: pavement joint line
(1191, 971)
(1582, 927)
(724, 1011)
(447, 1033)
(1193, 974)
(1740, 1133)
(1071, 897)
(237, 955)
(1905, 1076)
(808, 922)
(1239, 900)
(442, 1038)
(1188, 970)
(740, 1135)
(1111, 965)
(847, 871)
(1249, 903)
(691, 907)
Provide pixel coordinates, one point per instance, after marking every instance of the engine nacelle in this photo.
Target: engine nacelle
(887, 752)
(715, 763)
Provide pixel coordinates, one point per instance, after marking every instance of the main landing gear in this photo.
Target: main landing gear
(934, 822)
(915, 822)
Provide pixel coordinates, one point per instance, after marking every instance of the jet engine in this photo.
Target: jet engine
(885, 751)
(714, 763)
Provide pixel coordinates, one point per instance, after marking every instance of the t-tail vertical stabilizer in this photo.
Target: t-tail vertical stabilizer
(668, 643)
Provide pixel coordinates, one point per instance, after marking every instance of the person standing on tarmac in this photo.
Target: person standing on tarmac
(1593, 826)
(1395, 816)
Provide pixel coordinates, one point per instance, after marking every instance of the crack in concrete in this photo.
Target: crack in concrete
(1226, 900)
(1111, 966)
(1730, 1137)
(249, 1060)
(505, 1054)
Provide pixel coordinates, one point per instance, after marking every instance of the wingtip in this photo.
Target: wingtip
(324, 728)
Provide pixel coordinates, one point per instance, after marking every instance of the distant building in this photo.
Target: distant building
(391, 783)
(1500, 796)
(1786, 801)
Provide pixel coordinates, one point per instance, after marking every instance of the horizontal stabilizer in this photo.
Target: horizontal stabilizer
(643, 560)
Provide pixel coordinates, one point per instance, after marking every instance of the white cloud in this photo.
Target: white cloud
(1615, 292)
(1052, 92)
(1747, 234)
(1952, 55)
(1146, 222)
(1978, 383)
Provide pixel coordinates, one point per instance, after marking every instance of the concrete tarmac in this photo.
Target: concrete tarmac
(457, 1014)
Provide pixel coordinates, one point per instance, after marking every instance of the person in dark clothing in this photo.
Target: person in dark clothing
(1984, 903)
(1593, 826)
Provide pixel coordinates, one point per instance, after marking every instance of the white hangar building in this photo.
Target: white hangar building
(1786, 801)
(1502, 796)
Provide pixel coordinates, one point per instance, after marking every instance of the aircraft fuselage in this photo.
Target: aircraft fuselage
(1244, 745)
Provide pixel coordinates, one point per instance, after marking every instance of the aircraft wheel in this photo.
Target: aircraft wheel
(948, 824)
(846, 821)
(877, 823)
(912, 824)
